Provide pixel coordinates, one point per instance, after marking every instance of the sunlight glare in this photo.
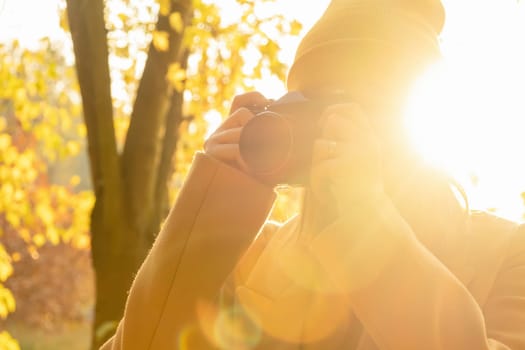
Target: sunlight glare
(467, 114)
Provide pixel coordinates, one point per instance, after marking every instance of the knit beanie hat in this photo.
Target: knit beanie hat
(377, 45)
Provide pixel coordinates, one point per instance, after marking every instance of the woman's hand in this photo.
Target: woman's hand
(223, 144)
(346, 164)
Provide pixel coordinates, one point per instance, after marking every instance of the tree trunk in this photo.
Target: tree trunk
(130, 189)
(114, 270)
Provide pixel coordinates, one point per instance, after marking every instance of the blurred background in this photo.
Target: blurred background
(154, 78)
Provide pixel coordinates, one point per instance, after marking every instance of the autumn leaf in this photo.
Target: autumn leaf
(5, 264)
(295, 27)
(165, 7)
(176, 76)
(161, 40)
(7, 302)
(176, 22)
(7, 342)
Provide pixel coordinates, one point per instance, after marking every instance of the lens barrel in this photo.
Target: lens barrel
(266, 144)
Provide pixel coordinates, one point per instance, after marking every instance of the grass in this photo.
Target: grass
(74, 336)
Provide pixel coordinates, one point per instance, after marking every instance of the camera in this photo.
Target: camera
(277, 143)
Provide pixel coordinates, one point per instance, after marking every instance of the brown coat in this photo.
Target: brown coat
(194, 291)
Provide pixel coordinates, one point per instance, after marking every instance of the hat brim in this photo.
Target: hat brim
(362, 66)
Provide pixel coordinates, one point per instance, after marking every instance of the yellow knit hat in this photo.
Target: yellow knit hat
(380, 45)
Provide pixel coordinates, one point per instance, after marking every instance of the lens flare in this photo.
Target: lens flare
(228, 327)
(234, 329)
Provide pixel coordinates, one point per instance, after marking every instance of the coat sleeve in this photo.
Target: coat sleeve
(407, 299)
(215, 218)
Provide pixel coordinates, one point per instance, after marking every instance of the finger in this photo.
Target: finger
(228, 153)
(228, 136)
(249, 99)
(238, 119)
(225, 152)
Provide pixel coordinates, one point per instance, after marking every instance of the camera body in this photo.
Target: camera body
(277, 143)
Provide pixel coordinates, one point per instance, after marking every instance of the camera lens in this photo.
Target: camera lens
(266, 143)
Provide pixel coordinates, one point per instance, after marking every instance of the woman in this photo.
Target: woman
(382, 256)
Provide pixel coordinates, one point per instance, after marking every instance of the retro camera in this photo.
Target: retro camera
(277, 143)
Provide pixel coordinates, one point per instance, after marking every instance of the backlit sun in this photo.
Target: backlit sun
(467, 113)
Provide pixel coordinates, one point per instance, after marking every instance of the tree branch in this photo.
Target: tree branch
(171, 136)
(170, 139)
(143, 148)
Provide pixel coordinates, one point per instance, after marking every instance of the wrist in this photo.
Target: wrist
(359, 246)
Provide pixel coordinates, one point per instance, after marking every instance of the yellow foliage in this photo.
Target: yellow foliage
(7, 342)
(176, 22)
(161, 40)
(45, 213)
(74, 181)
(39, 118)
(28, 81)
(39, 239)
(5, 141)
(7, 302)
(81, 130)
(16, 256)
(176, 76)
(6, 269)
(295, 27)
(165, 7)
